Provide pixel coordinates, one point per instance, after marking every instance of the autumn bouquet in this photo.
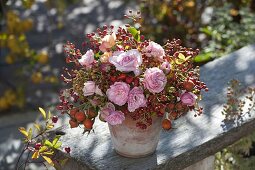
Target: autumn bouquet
(122, 73)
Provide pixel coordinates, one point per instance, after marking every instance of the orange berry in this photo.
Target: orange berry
(188, 85)
(91, 113)
(80, 116)
(162, 110)
(73, 111)
(73, 123)
(166, 124)
(170, 106)
(88, 123)
(179, 106)
(174, 115)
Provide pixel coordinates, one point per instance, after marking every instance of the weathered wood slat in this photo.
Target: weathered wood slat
(193, 140)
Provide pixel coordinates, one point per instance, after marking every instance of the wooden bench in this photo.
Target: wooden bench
(194, 139)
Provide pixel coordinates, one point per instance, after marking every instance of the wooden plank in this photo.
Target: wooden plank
(193, 140)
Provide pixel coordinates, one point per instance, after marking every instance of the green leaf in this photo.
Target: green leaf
(135, 33)
(206, 30)
(48, 153)
(153, 114)
(57, 145)
(37, 126)
(49, 115)
(23, 131)
(30, 134)
(179, 61)
(205, 57)
(42, 112)
(35, 155)
(47, 159)
(55, 140)
(43, 148)
(181, 56)
(48, 143)
(50, 126)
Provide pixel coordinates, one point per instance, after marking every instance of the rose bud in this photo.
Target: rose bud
(165, 67)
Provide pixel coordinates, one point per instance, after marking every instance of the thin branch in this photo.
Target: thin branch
(25, 148)
(27, 160)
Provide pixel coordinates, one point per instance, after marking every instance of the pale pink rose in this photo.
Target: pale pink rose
(115, 118)
(87, 59)
(108, 42)
(118, 93)
(127, 61)
(166, 67)
(98, 91)
(188, 98)
(137, 72)
(106, 110)
(89, 88)
(154, 50)
(115, 53)
(136, 99)
(154, 80)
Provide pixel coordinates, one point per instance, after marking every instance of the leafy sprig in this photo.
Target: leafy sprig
(37, 145)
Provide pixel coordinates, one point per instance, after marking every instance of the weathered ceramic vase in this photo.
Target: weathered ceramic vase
(131, 141)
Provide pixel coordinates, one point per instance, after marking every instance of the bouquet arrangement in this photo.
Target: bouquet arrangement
(123, 74)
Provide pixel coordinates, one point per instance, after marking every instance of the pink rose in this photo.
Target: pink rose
(166, 67)
(136, 99)
(118, 93)
(154, 50)
(154, 80)
(87, 59)
(137, 72)
(98, 91)
(107, 42)
(106, 110)
(127, 61)
(188, 98)
(115, 118)
(90, 88)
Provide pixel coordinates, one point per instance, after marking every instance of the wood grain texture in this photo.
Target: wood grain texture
(193, 139)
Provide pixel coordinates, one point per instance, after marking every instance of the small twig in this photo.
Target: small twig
(25, 148)
(27, 160)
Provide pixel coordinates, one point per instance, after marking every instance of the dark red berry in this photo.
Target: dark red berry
(37, 146)
(67, 149)
(122, 76)
(129, 79)
(113, 78)
(54, 119)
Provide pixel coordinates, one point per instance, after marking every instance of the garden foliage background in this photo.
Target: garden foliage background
(33, 32)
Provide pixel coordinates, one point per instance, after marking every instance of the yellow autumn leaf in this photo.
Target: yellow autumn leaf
(37, 126)
(29, 134)
(42, 112)
(49, 115)
(49, 126)
(43, 148)
(179, 61)
(23, 131)
(181, 56)
(35, 155)
(47, 159)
